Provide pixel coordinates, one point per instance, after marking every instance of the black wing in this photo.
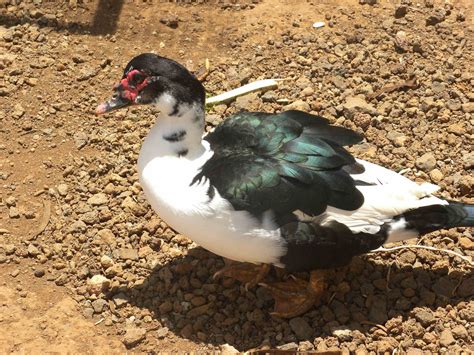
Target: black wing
(282, 162)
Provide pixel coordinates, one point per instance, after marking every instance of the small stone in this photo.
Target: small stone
(426, 162)
(106, 261)
(133, 336)
(99, 305)
(9, 249)
(10, 201)
(120, 299)
(166, 307)
(80, 139)
(436, 175)
(33, 250)
(128, 254)
(187, 331)
(39, 272)
(301, 328)
(130, 205)
(15, 273)
(466, 288)
(297, 105)
(468, 107)
(468, 160)
(288, 347)
(457, 128)
(466, 243)
(227, 349)
(18, 111)
(343, 334)
(460, 331)
(98, 283)
(438, 16)
(171, 21)
(398, 139)
(247, 102)
(162, 332)
(401, 11)
(424, 316)
(98, 199)
(88, 312)
(13, 212)
(446, 338)
(354, 103)
(62, 189)
(107, 236)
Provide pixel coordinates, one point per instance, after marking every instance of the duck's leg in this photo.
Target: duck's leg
(247, 273)
(295, 296)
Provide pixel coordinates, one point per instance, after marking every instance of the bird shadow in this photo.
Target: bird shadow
(183, 296)
(105, 20)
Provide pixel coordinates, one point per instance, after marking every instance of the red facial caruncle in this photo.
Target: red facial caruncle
(131, 85)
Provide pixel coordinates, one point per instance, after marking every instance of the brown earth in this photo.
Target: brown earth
(71, 207)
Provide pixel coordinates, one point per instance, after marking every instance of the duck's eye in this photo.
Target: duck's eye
(137, 79)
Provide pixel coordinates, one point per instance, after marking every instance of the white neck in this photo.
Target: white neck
(177, 131)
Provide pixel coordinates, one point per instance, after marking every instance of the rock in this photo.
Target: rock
(106, 261)
(460, 331)
(162, 332)
(13, 212)
(107, 236)
(98, 199)
(424, 316)
(438, 16)
(99, 305)
(457, 128)
(80, 139)
(33, 250)
(468, 160)
(446, 338)
(10, 201)
(9, 249)
(227, 349)
(401, 11)
(166, 307)
(358, 102)
(426, 162)
(343, 334)
(62, 189)
(120, 299)
(466, 288)
(398, 139)
(468, 107)
(39, 272)
(128, 254)
(171, 21)
(130, 205)
(466, 243)
(297, 105)
(436, 175)
(378, 310)
(98, 283)
(18, 111)
(247, 102)
(301, 328)
(133, 336)
(288, 347)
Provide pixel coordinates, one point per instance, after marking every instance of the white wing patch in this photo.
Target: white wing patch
(390, 194)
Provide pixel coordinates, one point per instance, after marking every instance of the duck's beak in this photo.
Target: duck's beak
(116, 102)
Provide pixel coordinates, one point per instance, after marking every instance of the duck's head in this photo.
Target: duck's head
(151, 79)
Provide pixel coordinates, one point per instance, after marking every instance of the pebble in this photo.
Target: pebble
(436, 175)
(98, 199)
(99, 305)
(120, 299)
(424, 316)
(80, 139)
(39, 272)
(18, 111)
(162, 332)
(468, 107)
(301, 328)
(63, 189)
(14, 212)
(128, 254)
(426, 162)
(297, 105)
(468, 160)
(133, 336)
(446, 338)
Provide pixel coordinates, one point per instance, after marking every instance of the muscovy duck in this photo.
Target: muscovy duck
(270, 189)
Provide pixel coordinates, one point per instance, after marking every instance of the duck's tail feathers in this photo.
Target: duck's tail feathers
(430, 218)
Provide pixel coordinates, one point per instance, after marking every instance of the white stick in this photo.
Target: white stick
(463, 257)
(256, 85)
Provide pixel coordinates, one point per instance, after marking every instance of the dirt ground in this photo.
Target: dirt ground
(87, 267)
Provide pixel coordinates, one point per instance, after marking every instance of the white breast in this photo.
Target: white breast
(211, 223)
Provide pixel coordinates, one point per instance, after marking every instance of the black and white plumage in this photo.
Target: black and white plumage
(269, 188)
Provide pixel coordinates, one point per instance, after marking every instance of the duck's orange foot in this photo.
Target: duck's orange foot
(295, 296)
(249, 274)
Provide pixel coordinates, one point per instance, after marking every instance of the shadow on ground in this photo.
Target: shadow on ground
(105, 20)
(364, 296)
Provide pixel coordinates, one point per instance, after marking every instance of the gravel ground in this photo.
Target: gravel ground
(72, 212)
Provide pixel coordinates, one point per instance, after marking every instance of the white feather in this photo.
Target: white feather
(215, 225)
(392, 195)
